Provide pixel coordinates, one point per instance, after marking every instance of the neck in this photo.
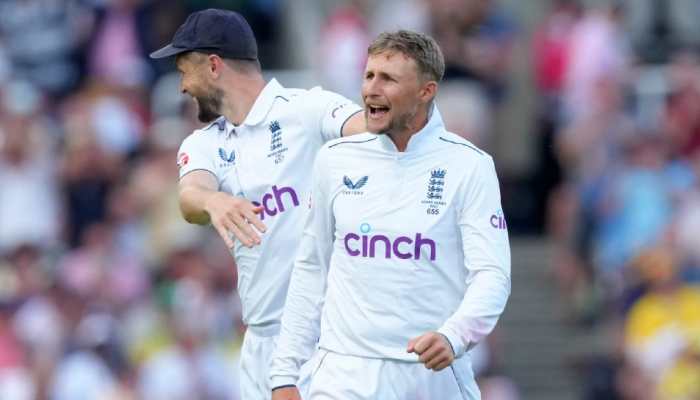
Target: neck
(240, 96)
(402, 136)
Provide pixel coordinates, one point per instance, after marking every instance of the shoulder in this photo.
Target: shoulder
(459, 154)
(360, 141)
(345, 150)
(208, 133)
(458, 144)
(314, 97)
(211, 131)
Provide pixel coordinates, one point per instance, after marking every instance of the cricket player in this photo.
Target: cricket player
(405, 261)
(247, 172)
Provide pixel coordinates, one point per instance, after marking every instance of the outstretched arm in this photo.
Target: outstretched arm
(201, 203)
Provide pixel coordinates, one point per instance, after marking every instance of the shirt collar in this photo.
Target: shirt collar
(417, 142)
(264, 102)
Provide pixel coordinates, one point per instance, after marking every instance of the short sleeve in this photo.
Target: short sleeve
(332, 111)
(194, 155)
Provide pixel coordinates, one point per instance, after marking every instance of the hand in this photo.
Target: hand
(434, 350)
(230, 214)
(286, 393)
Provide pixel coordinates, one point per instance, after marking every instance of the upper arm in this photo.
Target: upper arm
(197, 154)
(355, 124)
(200, 179)
(192, 192)
(482, 222)
(332, 113)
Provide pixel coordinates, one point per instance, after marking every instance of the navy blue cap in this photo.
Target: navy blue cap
(221, 32)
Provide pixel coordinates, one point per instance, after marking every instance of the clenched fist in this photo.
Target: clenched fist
(433, 349)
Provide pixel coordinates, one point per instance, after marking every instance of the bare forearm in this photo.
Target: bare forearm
(193, 204)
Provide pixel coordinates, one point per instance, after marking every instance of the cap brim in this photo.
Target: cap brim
(167, 51)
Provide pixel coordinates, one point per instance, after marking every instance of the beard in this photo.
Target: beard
(399, 123)
(209, 105)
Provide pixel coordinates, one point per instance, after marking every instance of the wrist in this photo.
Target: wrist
(455, 342)
(282, 381)
(209, 200)
(284, 387)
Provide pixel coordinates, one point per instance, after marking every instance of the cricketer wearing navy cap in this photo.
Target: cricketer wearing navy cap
(246, 173)
(221, 32)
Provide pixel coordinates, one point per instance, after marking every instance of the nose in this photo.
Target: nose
(370, 87)
(183, 90)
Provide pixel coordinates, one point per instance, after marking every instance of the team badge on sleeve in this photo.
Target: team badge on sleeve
(182, 159)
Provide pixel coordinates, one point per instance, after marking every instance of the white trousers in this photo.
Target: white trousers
(340, 377)
(256, 358)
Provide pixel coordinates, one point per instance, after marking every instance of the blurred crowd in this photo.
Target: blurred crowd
(620, 119)
(106, 293)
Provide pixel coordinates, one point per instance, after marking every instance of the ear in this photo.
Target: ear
(215, 65)
(428, 91)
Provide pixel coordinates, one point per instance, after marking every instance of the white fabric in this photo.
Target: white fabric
(397, 244)
(267, 160)
(342, 377)
(256, 356)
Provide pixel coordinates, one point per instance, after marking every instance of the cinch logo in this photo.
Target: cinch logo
(402, 247)
(498, 221)
(273, 208)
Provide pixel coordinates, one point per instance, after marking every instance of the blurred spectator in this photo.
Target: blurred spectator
(343, 48)
(117, 56)
(29, 203)
(682, 114)
(665, 321)
(635, 206)
(465, 111)
(599, 55)
(476, 39)
(44, 39)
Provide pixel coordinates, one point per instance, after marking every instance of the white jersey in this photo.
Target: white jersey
(400, 244)
(267, 160)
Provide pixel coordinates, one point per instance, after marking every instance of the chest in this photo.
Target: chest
(275, 153)
(397, 198)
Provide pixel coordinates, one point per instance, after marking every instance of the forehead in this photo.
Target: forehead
(391, 60)
(186, 60)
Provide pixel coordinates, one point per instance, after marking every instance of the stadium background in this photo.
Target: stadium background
(591, 110)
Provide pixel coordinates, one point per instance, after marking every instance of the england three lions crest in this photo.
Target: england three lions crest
(277, 148)
(435, 190)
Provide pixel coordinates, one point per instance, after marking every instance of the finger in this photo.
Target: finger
(223, 232)
(443, 364)
(255, 220)
(438, 359)
(232, 228)
(245, 229)
(430, 354)
(412, 345)
(237, 233)
(423, 343)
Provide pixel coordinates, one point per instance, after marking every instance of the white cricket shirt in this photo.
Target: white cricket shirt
(400, 243)
(268, 160)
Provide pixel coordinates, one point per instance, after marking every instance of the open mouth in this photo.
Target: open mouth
(377, 111)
